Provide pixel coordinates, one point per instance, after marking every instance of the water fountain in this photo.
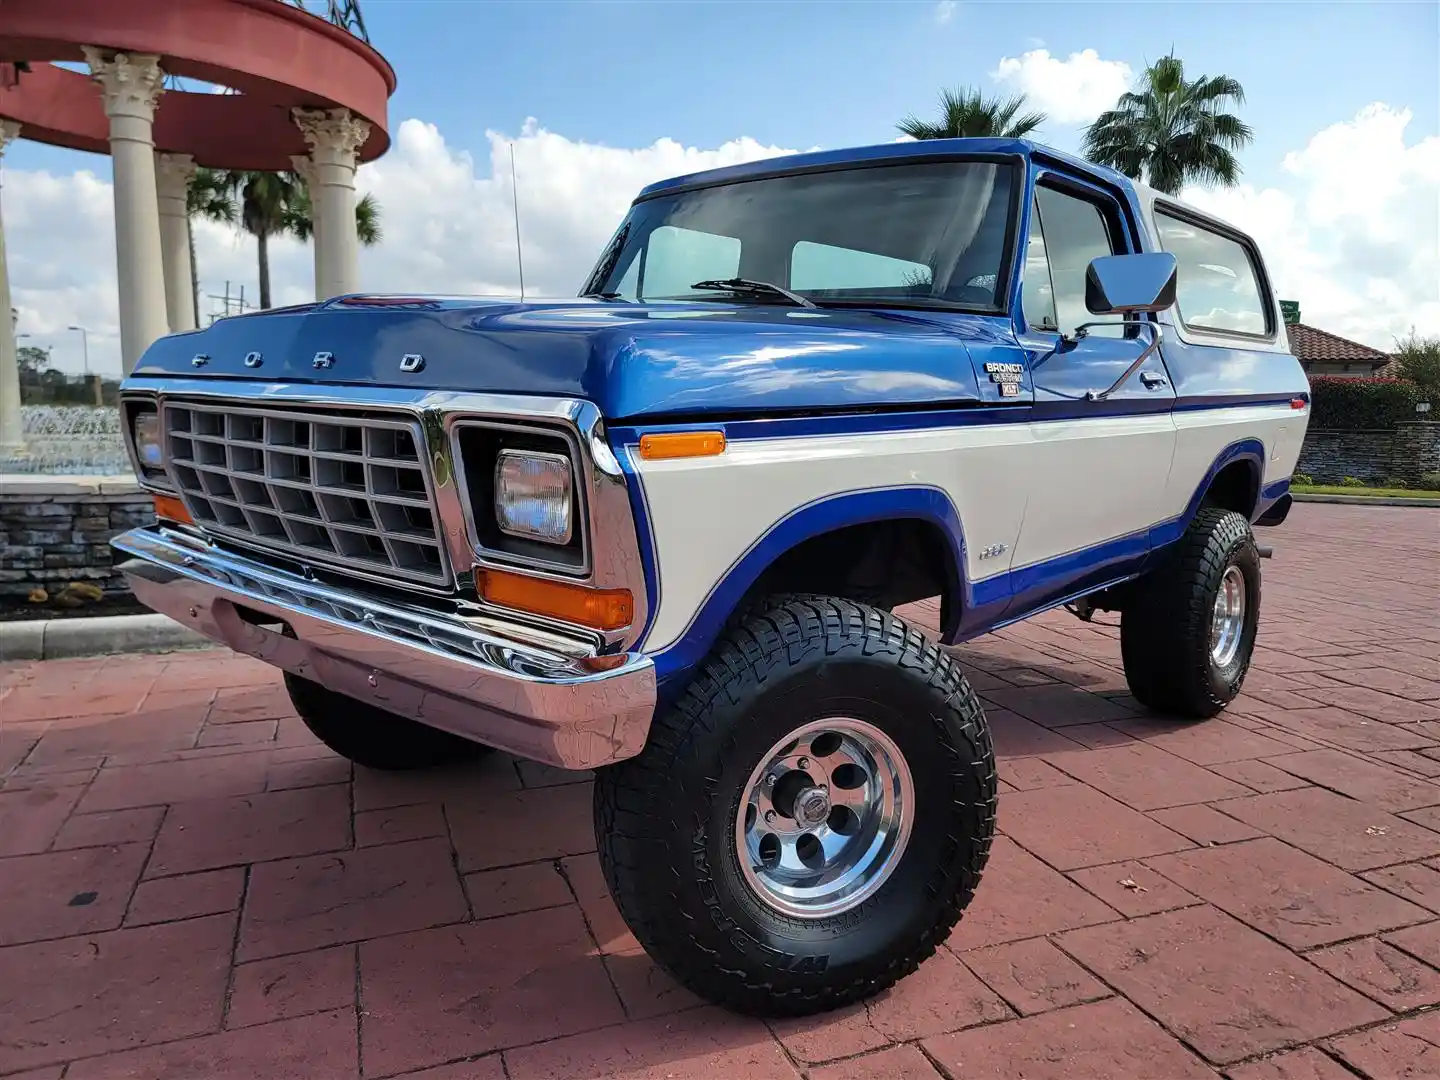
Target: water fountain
(69, 440)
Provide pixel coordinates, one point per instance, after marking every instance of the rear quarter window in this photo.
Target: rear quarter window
(1218, 282)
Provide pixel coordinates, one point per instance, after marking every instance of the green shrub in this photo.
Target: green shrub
(1430, 481)
(1418, 359)
(1302, 478)
(1393, 482)
(1360, 404)
(1351, 481)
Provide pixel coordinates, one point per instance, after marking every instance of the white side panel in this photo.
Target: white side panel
(705, 513)
(1203, 433)
(1091, 480)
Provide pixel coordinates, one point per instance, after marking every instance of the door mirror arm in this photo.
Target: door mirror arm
(1074, 337)
(1101, 395)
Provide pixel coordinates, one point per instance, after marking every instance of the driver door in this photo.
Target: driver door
(1098, 468)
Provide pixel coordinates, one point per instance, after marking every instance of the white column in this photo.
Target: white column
(172, 180)
(11, 434)
(335, 137)
(130, 85)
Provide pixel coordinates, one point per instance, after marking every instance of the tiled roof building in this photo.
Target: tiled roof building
(1322, 353)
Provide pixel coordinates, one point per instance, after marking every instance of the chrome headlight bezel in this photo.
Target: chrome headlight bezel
(149, 440)
(550, 500)
(136, 409)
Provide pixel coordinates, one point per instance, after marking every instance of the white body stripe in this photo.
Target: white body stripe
(1041, 489)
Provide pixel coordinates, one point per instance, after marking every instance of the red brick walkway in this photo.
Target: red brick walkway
(191, 887)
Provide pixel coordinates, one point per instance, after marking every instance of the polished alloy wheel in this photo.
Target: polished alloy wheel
(1227, 620)
(824, 818)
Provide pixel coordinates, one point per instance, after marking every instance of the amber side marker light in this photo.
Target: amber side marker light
(682, 444)
(172, 509)
(599, 609)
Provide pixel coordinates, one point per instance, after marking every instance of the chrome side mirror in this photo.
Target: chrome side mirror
(1130, 284)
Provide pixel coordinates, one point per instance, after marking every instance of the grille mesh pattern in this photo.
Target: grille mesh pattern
(346, 491)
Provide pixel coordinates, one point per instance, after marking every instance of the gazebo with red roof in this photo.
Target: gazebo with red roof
(308, 93)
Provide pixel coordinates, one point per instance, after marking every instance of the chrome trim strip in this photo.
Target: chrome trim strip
(460, 675)
(613, 545)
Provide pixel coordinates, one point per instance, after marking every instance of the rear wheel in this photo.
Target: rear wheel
(372, 737)
(809, 820)
(1188, 632)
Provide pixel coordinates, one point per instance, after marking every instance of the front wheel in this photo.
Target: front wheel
(370, 736)
(1188, 633)
(809, 820)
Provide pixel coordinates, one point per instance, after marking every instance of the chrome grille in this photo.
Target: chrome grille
(346, 491)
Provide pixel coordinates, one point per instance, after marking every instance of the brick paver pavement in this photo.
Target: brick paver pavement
(190, 886)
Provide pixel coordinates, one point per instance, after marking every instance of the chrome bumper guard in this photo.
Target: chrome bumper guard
(574, 712)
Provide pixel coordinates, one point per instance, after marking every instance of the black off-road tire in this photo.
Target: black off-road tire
(1165, 626)
(372, 737)
(666, 820)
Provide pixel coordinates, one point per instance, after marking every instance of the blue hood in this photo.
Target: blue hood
(632, 360)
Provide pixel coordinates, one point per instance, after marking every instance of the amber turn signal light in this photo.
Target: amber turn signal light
(599, 609)
(682, 444)
(172, 509)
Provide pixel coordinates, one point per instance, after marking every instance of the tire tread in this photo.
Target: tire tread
(769, 640)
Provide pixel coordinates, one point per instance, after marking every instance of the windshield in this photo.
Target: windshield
(932, 234)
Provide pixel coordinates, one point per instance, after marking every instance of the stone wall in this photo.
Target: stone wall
(1407, 453)
(54, 530)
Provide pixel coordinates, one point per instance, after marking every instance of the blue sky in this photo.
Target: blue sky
(1339, 186)
(626, 72)
(842, 72)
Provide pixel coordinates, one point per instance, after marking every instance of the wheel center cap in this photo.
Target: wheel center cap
(812, 806)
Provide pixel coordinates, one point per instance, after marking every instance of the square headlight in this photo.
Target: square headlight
(534, 493)
(149, 442)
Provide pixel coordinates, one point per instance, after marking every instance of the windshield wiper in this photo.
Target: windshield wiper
(602, 296)
(760, 288)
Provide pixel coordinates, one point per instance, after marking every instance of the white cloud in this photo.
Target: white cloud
(1071, 91)
(945, 11)
(450, 227)
(447, 221)
(1358, 247)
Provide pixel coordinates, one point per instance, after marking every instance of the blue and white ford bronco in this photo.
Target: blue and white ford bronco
(659, 530)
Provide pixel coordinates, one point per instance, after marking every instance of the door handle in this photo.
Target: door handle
(1101, 395)
(1153, 380)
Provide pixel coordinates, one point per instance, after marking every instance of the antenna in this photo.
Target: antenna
(515, 202)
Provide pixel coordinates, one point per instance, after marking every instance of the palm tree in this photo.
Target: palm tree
(968, 114)
(1172, 132)
(209, 196)
(266, 201)
(278, 204)
(367, 219)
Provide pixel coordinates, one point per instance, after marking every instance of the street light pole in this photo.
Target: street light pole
(85, 347)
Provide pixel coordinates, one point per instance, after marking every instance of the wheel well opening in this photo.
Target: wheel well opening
(1235, 487)
(881, 563)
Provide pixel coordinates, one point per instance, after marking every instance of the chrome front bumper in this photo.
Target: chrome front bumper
(575, 712)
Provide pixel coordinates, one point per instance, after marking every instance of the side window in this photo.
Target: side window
(676, 258)
(1216, 286)
(1075, 232)
(820, 267)
(1037, 296)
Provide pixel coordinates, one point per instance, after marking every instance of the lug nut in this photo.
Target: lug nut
(803, 763)
(769, 817)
